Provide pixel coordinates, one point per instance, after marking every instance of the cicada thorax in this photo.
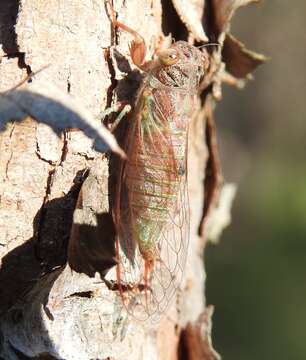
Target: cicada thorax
(151, 206)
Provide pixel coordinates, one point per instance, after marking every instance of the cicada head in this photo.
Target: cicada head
(182, 66)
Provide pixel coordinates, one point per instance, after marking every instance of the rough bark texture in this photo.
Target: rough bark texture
(49, 311)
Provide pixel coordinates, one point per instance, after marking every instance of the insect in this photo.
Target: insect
(151, 210)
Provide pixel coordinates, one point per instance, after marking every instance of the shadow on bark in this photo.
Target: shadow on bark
(29, 271)
(171, 22)
(60, 114)
(8, 37)
(47, 250)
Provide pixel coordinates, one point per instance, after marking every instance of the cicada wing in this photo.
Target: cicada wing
(153, 203)
(171, 257)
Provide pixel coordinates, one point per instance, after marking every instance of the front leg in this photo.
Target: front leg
(122, 108)
(137, 47)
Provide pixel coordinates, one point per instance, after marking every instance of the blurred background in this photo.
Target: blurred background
(257, 273)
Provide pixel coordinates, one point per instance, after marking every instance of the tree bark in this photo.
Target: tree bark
(55, 185)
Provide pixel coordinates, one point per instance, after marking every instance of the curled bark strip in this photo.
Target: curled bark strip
(191, 14)
(222, 12)
(213, 176)
(240, 61)
(195, 340)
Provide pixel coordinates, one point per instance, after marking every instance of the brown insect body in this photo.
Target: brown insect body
(151, 210)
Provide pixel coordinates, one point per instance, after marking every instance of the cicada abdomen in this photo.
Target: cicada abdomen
(151, 210)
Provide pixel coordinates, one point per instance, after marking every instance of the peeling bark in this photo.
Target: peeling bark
(55, 184)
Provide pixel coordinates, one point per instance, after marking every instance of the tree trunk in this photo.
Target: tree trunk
(55, 185)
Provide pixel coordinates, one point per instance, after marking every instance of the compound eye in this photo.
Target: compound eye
(168, 57)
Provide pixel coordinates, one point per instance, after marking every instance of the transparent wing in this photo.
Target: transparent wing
(152, 207)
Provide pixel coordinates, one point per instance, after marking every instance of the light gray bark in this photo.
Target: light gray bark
(46, 308)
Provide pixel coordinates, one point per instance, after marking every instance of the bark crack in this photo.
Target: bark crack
(64, 148)
(51, 162)
(114, 81)
(11, 154)
(68, 83)
(108, 58)
(7, 165)
(82, 294)
(50, 181)
(63, 155)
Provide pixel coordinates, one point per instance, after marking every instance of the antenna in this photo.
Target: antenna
(209, 44)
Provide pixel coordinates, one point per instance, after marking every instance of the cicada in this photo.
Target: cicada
(151, 209)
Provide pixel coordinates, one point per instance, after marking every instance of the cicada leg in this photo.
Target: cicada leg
(137, 47)
(148, 266)
(121, 107)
